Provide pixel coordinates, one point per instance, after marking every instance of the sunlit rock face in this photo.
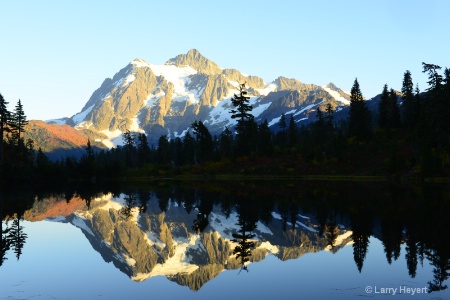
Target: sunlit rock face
(189, 244)
(166, 99)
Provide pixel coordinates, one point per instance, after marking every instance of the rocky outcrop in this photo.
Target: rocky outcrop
(253, 82)
(197, 61)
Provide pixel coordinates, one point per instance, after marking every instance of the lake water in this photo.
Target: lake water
(226, 240)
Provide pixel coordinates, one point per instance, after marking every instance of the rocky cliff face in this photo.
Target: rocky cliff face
(167, 99)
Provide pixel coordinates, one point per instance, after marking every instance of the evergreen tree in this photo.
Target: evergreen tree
(19, 121)
(129, 147)
(89, 150)
(163, 151)
(292, 132)
(204, 141)
(435, 79)
(265, 143)
(226, 143)
(383, 108)
(438, 105)
(242, 109)
(447, 83)
(128, 139)
(17, 237)
(42, 162)
(393, 110)
(189, 149)
(359, 116)
(329, 116)
(320, 127)
(177, 151)
(241, 112)
(86, 164)
(5, 243)
(362, 229)
(4, 118)
(143, 149)
(282, 133)
(408, 107)
(251, 132)
(411, 255)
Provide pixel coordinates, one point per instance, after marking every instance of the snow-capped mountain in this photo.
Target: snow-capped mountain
(167, 99)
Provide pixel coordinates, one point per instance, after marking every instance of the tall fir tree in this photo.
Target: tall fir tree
(17, 237)
(292, 132)
(4, 118)
(163, 151)
(189, 149)
(129, 147)
(226, 143)
(359, 116)
(383, 108)
(143, 149)
(282, 134)
(19, 121)
(242, 112)
(409, 105)
(393, 110)
(204, 140)
(265, 141)
(438, 105)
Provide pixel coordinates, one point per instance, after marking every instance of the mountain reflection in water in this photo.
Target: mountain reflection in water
(191, 232)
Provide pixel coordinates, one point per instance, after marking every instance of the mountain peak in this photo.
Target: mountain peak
(332, 87)
(137, 62)
(197, 61)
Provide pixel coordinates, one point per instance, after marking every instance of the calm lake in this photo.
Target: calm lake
(225, 240)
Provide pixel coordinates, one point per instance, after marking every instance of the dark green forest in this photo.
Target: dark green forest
(407, 136)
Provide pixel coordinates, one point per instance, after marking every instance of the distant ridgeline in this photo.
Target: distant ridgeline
(159, 120)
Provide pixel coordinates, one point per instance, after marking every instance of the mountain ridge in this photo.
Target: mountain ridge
(166, 99)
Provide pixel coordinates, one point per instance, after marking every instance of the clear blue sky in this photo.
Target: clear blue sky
(54, 54)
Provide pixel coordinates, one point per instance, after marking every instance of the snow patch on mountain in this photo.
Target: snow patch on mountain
(271, 87)
(130, 261)
(336, 96)
(340, 240)
(79, 222)
(221, 114)
(134, 127)
(233, 83)
(129, 79)
(263, 228)
(259, 109)
(114, 138)
(152, 99)
(276, 215)
(272, 249)
(140, 63)
(224, 226)
(178, 263)
(78, 118)
(306, 108)
(178, 76)
(306, 227)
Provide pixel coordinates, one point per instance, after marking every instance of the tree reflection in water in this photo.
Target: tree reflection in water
(417, 218)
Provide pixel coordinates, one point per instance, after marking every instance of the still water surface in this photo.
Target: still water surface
(227, 241)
